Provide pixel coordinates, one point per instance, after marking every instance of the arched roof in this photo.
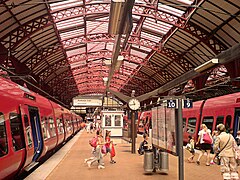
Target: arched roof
(66, 50)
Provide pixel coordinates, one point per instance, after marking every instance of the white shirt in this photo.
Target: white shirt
(200, 133)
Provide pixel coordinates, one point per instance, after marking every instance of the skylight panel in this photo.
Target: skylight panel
(96, 27)
(65, 4)
(109, 46)
(75, 52)
(74, 22)
(188, 2)
(159, 27)
(138, 53)
(95, 46)
(170, 10)
(131, 65)
(150, 37)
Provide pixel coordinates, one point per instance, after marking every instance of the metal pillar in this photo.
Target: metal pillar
(180, 141)
(133, 130)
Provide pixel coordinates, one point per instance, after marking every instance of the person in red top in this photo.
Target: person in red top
(108, 145)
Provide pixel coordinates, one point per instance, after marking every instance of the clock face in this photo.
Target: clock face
(134, 104)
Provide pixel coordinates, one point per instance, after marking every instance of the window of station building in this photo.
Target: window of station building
(117, 120)
(28, 131)
(208, 121)
(191, 127)
(3, 136)
(108, 121)
(60, 126)
(16, 131)
(228, 122)
(52, 127)
(219, 120)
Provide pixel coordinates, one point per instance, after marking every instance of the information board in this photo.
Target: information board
(164, 128)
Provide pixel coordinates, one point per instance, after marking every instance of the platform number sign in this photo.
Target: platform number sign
(172, 103)
(187, 103)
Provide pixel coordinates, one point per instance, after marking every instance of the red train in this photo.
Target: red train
(31, 126)
(224, 109)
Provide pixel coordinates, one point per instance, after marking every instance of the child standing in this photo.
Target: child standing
(190, 147)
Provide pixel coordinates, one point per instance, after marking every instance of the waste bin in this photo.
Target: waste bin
(163, 163)
(148, 161)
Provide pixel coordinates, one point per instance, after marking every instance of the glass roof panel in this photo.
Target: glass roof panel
(65, 4)
(70, 23)
(73, 33)
(150, 37)
(75, 51)
(96, 27)
(156, 26)
(170, 10)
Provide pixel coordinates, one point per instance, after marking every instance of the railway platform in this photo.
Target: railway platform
(68, 163)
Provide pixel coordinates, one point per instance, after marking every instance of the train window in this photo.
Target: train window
(219, 121)
(60, 126)
(17, 131)
(228, 122)
(28, 131)
(108, 121)
(117, 120)
(3, 137)
(184, 124)
(191, 125)
(208, 121)
(52, 127)
(45, 128)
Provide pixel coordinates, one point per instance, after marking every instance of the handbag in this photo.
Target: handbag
(207, 139)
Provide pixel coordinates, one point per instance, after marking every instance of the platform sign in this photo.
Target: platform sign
(187, 103)
(172, 103)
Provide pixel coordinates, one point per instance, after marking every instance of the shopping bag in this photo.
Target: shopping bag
(113, 153)
(207, 139)
(104, 149)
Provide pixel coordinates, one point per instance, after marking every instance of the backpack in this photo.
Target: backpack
(93, 142)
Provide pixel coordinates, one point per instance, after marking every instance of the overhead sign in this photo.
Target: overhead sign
(172, 103)
(87, 102)
(187, 103)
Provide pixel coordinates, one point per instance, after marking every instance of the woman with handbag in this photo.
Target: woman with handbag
(224, 145)
(205, 143)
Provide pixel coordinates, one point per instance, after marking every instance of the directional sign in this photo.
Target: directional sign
(172, 103)
(187, 103)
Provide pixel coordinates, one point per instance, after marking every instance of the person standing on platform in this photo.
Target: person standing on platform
(214, 136)
(98, 157)
(204, 147)
(224, 145)
(108, 146)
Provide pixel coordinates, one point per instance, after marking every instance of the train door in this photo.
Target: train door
(236, 125)
(36, 132)
(27, 134)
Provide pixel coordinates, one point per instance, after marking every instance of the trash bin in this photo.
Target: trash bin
(163, 163)
(148, 161)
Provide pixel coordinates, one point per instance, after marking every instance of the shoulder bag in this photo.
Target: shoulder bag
(218, 158)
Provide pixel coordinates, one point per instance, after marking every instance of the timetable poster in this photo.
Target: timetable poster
(161, 121)
(171, 130)
(154, 126)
